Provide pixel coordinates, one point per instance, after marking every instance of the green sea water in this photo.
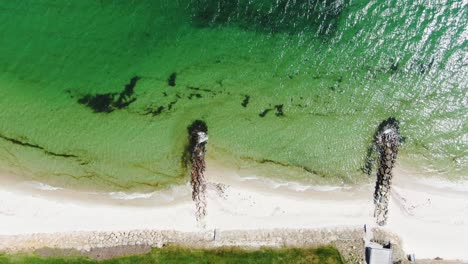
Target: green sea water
(99, 93)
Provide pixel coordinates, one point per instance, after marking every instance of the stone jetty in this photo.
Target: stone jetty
(198, 138)
(387, 142)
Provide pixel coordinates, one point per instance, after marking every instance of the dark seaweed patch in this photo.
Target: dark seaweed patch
(171, 104)
(154, 112)
(220, 82)
(171, 81)
(309, 170)
(279, 110)
(27, 144)
(394, 66)
(246, 100)
(99, 103)
(424, 68)
(125, 97)
(202, 90)
(196, 95)
(106, 103)
(264, 112)
(160, 109)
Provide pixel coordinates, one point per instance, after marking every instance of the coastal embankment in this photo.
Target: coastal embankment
(100, 245)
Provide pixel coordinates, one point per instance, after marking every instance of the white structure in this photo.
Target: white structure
(376, 255)
(202, 137)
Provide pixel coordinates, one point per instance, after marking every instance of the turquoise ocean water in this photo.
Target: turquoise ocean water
(99, 93)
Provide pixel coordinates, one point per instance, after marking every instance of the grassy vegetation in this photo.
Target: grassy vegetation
(172, 254)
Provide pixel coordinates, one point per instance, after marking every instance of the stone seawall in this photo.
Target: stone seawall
(349, 241)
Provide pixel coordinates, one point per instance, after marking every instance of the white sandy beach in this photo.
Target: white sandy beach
(429, 215)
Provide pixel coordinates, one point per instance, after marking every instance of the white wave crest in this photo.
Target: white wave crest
(130, 196)
(44, 187)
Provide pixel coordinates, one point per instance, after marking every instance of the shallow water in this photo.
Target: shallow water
(281, 85)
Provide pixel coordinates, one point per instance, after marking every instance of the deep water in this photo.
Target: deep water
(100, 93)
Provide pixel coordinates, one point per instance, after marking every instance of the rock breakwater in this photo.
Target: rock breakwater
(387, 142)
(198, 138)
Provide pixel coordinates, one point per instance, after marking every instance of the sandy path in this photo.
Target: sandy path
(430, 220)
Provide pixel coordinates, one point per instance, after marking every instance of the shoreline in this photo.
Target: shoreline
(249, 203)
(215, 174)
